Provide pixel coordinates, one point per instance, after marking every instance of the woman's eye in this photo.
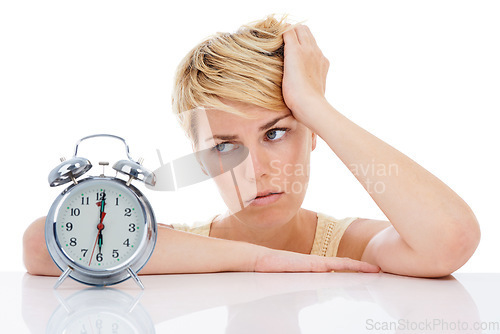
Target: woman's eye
(275, 134)
(225, 147)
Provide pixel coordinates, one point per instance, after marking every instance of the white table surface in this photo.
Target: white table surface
(254, 303)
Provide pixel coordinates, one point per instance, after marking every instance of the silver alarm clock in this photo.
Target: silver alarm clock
(101, 230)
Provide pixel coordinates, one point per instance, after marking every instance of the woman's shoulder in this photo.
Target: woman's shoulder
(199, 227)
(329, 231)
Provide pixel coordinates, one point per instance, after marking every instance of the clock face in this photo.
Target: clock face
(100, 224)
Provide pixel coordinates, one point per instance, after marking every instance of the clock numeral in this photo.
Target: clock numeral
(72, 242)
(101, 196)
(127, 243)
(84, 251)
(115, 253)
(131, 227)
(85, 200)
(75, 212)
(128, 212)
(99, 257)
(69, 226)
(116, 203)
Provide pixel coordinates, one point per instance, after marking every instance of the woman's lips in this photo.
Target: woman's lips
(266, 200)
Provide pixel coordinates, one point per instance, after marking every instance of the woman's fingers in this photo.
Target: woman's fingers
(346, 264)
(283, 261)
(304, 35)
(304, 74)
(299, 35)
(290, 37)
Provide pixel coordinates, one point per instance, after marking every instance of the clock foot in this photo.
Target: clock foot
(63, 277)
(135, 277)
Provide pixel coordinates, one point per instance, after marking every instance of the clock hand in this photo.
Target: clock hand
(99, 240)
(100, 227)
(93, 249)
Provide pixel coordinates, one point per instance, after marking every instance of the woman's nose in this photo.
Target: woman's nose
(257, 164)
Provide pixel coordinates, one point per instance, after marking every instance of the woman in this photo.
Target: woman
(262, 89)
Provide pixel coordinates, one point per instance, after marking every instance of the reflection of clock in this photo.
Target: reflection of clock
(97, 310)
(100, 230)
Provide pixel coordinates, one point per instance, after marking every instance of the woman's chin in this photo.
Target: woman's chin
(265, 216)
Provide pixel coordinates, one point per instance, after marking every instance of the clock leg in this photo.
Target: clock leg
(63, 277)
(135, 277)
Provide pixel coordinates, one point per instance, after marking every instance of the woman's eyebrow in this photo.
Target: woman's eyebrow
(274, 121)
(262, 128)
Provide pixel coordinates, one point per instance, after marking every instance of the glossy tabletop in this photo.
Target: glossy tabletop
(254, 303)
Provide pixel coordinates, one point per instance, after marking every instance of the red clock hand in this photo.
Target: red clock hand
(93, 249)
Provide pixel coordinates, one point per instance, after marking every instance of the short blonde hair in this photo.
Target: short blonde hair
(245, 66)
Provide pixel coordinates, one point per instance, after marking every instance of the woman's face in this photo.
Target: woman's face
(268, 154)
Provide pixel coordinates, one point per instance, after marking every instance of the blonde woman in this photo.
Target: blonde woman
(262, 88)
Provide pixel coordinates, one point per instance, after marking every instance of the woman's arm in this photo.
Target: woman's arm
(432, 231)
(182, 252)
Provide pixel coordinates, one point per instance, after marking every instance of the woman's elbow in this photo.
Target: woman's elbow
(460, 246)
(36, 257)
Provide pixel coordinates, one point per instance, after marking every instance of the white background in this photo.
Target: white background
(421, 75)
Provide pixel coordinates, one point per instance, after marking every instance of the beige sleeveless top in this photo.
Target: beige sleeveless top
(329, 231)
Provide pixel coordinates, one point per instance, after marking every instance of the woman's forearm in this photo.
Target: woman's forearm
(182, 252)
(425, 212)
(175, 252)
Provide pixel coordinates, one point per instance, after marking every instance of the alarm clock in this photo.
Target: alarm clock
(101, 230)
